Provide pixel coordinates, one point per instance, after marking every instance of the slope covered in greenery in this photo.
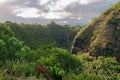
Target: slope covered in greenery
(19, 62)
(102, 35)
(35, 35)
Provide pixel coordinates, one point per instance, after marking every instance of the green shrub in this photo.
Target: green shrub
(59, 62)
(17, 68)
(107, 68)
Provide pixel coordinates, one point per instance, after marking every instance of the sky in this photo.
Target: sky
(73, 12)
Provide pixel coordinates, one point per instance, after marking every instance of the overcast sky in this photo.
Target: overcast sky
(74, 12)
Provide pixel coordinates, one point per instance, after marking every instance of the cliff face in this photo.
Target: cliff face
(101, 37)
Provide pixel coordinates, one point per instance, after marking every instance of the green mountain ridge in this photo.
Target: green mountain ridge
(36, 35)
(101, 36)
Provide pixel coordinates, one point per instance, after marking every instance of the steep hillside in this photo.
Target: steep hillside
(101, 36)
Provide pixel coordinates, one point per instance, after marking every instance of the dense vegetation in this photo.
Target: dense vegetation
(18, 60)
(35, 35)
(44, 56)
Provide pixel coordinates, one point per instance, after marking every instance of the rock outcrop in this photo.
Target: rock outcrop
(101, 37)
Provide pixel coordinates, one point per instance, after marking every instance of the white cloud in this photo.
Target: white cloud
(85, 2)
(65, 22)
(75, 17)
(26, 2)
(56, 9)
(27, 12)
(43, 2)
(4, 1)
(35, 13)
(55, 15)
(61, 4)
(79, 18)
(52, 9)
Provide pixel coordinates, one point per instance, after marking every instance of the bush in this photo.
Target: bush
(107, 68)
(16, 68)
(60, 62)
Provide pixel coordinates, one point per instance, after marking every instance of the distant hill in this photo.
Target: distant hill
(101, 37)
(36, 35)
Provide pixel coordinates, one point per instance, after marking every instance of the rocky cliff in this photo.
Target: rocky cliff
(101, 37)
